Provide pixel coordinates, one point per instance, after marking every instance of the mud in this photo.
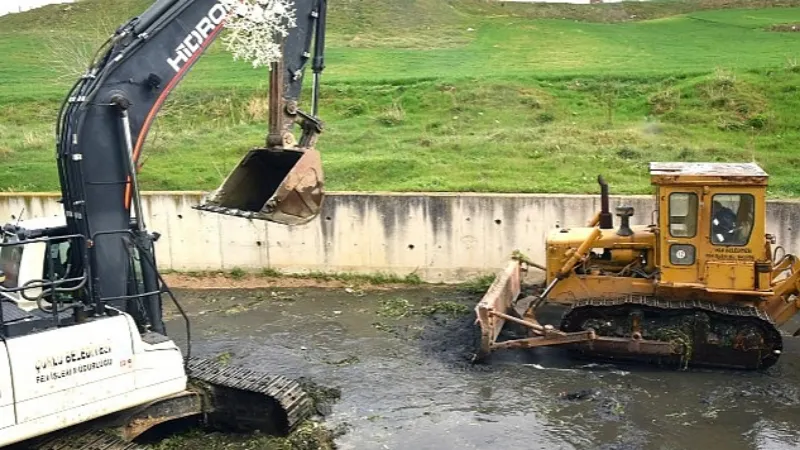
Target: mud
(396, 361)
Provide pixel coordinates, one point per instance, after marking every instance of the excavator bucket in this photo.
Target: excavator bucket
(284, 186)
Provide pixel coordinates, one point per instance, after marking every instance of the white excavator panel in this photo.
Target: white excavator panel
(7, 416)
(73, 372)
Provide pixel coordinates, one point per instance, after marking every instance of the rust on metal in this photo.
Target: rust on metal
(530, 324)
(139, 420)
(284, 186)
(632, 346)
(498, 298)
(553, 338)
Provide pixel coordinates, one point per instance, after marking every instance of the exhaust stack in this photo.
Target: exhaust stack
(606, 219)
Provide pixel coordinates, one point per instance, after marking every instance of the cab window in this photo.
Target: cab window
(58, 258)
(683, 214)
(732, 219)
(10, 258)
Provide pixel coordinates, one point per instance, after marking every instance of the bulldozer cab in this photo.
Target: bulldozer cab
(712, 226)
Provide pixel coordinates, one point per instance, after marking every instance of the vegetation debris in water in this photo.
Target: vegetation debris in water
(224, 358)
(399, 308)
(310, 435)
(352, 359)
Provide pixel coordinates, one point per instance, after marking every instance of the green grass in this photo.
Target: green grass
(467, 95)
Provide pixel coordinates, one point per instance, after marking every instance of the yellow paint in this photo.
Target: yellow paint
(708, 237)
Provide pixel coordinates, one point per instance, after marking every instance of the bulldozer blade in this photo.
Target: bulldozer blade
(500, 297)
(284, 186)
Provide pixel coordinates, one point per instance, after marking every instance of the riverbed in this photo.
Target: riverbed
(399, 358)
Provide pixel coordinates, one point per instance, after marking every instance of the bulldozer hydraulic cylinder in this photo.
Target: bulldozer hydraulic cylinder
(580, 253)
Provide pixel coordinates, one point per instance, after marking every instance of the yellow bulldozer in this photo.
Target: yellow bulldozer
(699, 286)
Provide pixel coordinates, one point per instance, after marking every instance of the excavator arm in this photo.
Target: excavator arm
(104, 121)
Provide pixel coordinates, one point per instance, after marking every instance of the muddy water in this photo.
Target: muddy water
(405, 385)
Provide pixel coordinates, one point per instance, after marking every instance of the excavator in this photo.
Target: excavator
(698, 284)
(85, 360)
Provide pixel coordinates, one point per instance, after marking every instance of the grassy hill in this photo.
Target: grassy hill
(454, 95)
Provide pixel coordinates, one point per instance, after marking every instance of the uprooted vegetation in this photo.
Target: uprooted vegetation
(310, 435)
(398, 308)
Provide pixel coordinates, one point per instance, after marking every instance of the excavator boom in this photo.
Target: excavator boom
(104, 122)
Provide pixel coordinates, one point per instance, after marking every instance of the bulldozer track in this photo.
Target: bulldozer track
(254, 399)
(737, 318)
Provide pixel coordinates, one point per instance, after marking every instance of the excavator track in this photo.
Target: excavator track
(703, 333)
(233, 399)
(249, 400)
(83, 439)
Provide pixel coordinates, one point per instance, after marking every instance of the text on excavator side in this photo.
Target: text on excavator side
(194, 40)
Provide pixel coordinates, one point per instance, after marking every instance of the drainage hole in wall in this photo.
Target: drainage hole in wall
(258, 243)
(180, 216)
(411, 246)
(498, 221)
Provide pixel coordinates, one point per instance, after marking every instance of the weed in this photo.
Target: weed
(398, 308)
(791, 64)
(269, 272)
(686, 154)
(392, 115)
(628, 153)
(257, 108)
(352, 359)
(224, 358)
(395, 308)
(412, 278)
(664, 101)
(237, 273)
(448, 308)
(355, 109)
(757, 121)
(479, 284)
(607, 95)
(545, 117)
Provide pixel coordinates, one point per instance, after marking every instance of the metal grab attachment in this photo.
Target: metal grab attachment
(285, 186)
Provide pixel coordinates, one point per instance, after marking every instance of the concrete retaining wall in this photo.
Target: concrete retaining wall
(441, 237)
